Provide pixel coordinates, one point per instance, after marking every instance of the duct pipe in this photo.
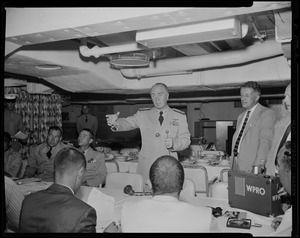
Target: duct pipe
(97, 51)
(255, 52)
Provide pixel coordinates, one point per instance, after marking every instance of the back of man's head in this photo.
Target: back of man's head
(166, 175)
(69, 164)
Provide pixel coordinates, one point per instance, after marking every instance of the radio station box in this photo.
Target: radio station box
(254, 193)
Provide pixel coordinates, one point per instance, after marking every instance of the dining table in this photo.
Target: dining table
(118, 198)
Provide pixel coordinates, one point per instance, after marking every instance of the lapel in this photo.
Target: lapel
(253, 118)
(167, 117)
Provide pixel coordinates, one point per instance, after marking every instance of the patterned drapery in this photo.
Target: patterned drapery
(39, 112)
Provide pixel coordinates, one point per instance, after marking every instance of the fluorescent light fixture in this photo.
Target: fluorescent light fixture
(193, 33)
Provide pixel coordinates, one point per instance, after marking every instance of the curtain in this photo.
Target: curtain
(39, 112)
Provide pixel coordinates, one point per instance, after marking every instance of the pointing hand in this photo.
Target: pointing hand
(111, 118)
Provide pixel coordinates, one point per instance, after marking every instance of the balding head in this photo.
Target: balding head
(166, 176)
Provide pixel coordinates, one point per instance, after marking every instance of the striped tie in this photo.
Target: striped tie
(236, 146)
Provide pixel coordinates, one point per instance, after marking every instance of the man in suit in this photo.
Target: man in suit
(164, 130)
(56, 209)
(282, 132)
(164, 212)
(87, 120)
(253, 137)
(96, 172)
(41, 157)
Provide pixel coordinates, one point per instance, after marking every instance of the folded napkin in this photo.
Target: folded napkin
(104, 206)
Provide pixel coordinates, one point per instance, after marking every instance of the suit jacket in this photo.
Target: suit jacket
(96, 172)
(280, 128)
(39, 165)
(154, 135)
(256, 141)
(164, 214)
(56, 209)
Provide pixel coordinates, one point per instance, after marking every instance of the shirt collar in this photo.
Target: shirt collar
(67, 187)
(166, 198)
(164, 111)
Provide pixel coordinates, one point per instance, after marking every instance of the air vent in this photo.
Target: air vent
(130, 60)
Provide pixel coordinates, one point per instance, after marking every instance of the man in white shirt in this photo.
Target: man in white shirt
(164, 212)
(283, 223)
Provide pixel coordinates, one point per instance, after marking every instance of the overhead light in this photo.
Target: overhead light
(130, 60)
(225, 29)
(48, 67)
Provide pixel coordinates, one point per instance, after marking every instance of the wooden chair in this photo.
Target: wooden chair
(120, 180)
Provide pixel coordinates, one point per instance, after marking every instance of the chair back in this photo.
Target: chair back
(22, 168)
(188, 190)
(112, 166)
(120, 180)
(219, 190)
(200, 178)
(224, 175)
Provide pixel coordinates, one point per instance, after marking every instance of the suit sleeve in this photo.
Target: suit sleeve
(99, 178)
(183, 139)
(128, 123)
(88, 221)
(266, 135)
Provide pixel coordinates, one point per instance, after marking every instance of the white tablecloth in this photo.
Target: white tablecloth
(120, 198)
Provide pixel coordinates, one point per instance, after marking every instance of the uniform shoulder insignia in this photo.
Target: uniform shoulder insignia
(144, 109)
(176, 110)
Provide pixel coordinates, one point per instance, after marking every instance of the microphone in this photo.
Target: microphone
(128, 190)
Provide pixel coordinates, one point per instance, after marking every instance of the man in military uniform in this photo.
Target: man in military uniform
(164, 130)
(87, 120)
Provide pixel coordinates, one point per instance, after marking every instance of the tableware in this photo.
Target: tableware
(120, 157)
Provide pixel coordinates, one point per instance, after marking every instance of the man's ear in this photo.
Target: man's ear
(80, 173)
(91, 141)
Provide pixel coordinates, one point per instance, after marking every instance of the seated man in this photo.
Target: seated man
(96, 169)
(12, 159)
(283, 223)
(41, 157)
(13, 201)
(164, 212)
(56, 209)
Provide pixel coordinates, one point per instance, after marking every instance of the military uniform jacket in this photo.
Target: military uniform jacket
(257, 138)
(39, 165)
(154, 135)
(95, 173)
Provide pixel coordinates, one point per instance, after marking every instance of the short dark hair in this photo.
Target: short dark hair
(252, 84)
(7, 137)
(68, 158)
(286, 157)
(55, 128)
(166, 175)
(90, 131)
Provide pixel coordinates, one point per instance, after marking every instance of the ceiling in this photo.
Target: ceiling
(200, 53)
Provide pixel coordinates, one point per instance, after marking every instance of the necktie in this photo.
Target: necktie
(49, 153)
(161, 118)
(85, 118)
(236, 146)
(283, 140)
